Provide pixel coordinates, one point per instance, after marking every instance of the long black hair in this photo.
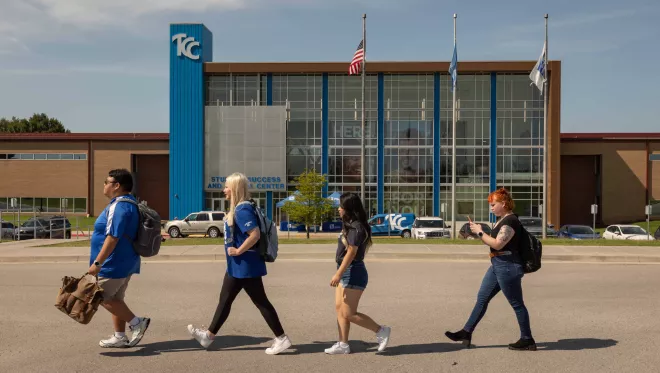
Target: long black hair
(353, 212)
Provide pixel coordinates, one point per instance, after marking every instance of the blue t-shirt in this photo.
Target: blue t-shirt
(119, 219)
(249, 264)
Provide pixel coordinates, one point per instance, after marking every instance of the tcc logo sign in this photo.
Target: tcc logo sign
(184, 45)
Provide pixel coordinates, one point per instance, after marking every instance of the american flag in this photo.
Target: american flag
(358, 57)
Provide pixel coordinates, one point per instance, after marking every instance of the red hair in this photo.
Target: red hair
(502, 195)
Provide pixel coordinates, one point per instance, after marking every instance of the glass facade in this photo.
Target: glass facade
(408, 111)
(403, 114)
(520, 142)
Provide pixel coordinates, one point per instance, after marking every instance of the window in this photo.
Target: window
(192, 217)
(44, 156)
(218, 217)
(202, 217)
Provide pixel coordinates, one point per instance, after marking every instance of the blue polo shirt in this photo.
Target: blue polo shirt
(118, 219)
(249, 264)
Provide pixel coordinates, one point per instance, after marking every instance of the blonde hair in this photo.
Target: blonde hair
(238, 184)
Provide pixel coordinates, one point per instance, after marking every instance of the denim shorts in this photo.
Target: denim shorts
(355, 276)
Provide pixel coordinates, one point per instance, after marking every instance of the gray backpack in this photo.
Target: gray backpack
(148, 239)
(267, 245)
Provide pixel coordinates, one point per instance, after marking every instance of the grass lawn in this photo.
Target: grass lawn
(190, 241)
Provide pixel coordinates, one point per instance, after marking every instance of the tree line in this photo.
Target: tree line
(37, 123)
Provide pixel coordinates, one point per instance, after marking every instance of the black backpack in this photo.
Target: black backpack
(530, 250)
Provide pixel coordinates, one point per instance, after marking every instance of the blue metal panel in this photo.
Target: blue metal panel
(654, 157)
(269, 102)
(269, 89)
(381, 143)
(187, 101)
(325, 133)
(493, 135)
(436, 144)
(269, 204)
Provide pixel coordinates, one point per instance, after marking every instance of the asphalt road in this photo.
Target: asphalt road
(585, 318)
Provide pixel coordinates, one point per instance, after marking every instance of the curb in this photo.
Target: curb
(323, 256)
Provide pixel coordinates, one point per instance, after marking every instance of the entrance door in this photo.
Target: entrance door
(222, 204)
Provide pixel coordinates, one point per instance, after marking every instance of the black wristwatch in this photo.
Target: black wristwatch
(480, 234)
(97, 264)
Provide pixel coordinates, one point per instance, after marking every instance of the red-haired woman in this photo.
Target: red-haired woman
(505, 272)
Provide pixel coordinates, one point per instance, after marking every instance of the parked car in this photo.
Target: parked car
(626, 232)
(578, 232)
(7, 230)
(210, 223)
(392, 224)
(534, 226)
(429, 227)
(466, 233)
(657, 234)
(44, 227)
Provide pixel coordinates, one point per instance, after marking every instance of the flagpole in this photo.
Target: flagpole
(364, 60)
(453, 149)
(544, 217)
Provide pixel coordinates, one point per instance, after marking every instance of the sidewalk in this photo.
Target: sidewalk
(30, 252)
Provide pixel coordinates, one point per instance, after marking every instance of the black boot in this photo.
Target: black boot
(523, 345)
(461, 336)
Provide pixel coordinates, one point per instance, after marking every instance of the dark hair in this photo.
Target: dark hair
(354, 211)
(123, 177)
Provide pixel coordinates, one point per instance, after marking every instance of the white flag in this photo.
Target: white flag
(537, 75)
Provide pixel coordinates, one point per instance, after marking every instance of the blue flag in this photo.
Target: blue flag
(452, 69)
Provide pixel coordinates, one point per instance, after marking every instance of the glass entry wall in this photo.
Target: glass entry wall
(520, 140)
(473, 102)
(408, 159)
(345, 135)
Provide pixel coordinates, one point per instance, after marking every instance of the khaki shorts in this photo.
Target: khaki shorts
(114, 288)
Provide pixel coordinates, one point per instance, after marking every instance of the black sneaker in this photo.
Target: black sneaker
(523, 345)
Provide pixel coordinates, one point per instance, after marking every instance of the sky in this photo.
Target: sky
(102, 66)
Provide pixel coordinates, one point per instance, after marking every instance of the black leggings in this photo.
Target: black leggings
(254, 287)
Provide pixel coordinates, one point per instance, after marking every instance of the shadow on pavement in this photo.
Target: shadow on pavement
(220, 343)
(575, 344)
(318, 347)
(425, 348)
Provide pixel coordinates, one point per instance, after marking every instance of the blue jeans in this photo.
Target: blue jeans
(506, 276)
(355, 276)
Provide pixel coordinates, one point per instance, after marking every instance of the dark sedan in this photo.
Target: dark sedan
(578, 232)
(465, 232)
(534, 226)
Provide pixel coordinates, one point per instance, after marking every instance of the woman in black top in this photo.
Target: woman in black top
(351, 277)
(505, 273)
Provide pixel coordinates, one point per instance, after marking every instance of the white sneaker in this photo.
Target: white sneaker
(279, 345)
(383, 337)
(114, 342)
(338, 349)
(138, 331)
(201, 336)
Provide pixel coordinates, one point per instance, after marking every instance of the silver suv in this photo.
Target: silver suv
(210, 223)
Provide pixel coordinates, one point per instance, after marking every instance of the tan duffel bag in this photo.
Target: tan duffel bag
(79, 298)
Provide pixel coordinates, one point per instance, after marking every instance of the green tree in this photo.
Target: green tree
(37, 123)
(309, 206)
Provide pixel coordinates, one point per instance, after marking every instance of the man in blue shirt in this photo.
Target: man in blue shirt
(114, 260)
